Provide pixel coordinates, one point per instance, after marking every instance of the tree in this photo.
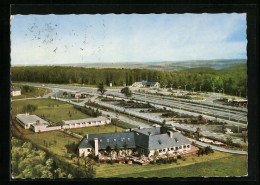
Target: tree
(30, 108)
(155, 154)
(117, 149)
(229, 140)
(101, 88)
(126, 91)
(108, 150)
(164, 122)
(198, 132)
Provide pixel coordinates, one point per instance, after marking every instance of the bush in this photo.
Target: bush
(111, 162)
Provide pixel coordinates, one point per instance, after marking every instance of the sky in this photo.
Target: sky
(110, 38)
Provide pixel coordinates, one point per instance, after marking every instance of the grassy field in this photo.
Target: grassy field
(97, 130)
(225, 167)
(34, 93)
(217, 164)
(52, 110)
(50, 138)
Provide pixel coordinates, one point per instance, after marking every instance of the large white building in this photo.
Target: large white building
(87, 122)
(35, 123)
(158, 139)
(26, 120)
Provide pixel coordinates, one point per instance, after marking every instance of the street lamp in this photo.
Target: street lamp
(238, 125)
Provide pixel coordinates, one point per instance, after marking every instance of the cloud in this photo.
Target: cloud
(117, 38)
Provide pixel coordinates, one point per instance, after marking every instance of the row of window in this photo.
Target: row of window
(122, 139)
(174, 148)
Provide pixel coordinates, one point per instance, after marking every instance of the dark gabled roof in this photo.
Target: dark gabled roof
(151, 138)
(164, 141)
(15, 88)
(109, 139)
(149, 131)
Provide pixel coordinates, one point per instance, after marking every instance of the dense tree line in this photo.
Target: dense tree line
(28, 162)
(232, 80)
(32, 161)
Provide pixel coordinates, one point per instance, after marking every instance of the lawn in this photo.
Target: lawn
(50, 138)
(97, 130)
(235, 165)
(34, 93)
(217, 164)
(52, 110)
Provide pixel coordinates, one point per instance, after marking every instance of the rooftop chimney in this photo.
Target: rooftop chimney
(170, 133)
(96, 146)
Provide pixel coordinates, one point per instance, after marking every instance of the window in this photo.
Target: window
(88, 150)
(188, 146)
(184, 146)
(164, 150)
(171, 148)
(180, 147)
(176, 148)
(160, 151)
(89, 123)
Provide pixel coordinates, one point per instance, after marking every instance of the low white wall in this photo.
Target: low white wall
(84, 151)
(44, 128)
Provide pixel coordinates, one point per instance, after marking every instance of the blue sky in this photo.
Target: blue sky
(60, 39)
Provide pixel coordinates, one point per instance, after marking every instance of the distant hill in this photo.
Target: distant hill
(167, 65)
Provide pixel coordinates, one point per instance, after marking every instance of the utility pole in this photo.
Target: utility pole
(145, 95)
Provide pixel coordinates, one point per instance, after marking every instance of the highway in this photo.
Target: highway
(192, 107)
(179, 105)
(221, 149)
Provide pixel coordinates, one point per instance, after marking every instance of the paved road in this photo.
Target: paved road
(111, 114)
(188, 106)
(157, 119)
(178, 103)
(220, 148)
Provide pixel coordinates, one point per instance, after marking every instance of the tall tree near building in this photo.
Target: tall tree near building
(101, 88)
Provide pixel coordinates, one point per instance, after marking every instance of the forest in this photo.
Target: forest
(233, 79)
